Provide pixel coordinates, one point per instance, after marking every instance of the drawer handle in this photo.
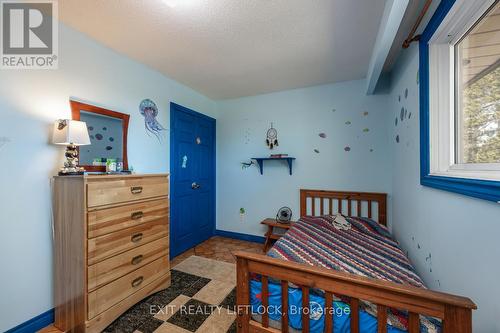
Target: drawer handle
(137, 260)
(137, 237)
(137, 215)
(136, 189)
(137, 282)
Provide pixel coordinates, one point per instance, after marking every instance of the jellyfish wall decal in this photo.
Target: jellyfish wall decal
(149, 110)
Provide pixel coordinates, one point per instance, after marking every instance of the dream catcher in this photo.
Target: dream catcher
(272, 137)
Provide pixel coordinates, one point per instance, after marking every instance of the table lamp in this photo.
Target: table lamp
(71, 133)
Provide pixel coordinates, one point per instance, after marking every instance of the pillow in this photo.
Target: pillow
(340, 223)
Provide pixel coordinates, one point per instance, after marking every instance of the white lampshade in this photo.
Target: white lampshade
(68, 132)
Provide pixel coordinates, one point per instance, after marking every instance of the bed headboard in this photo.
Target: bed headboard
(363, 204)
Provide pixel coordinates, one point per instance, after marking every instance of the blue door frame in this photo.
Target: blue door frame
(192, 210)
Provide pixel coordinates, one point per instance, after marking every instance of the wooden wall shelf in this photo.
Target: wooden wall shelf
(260, 162)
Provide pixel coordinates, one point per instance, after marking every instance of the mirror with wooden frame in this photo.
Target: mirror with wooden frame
(108, 135)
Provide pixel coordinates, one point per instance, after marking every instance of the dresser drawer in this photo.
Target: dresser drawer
(101, 193)
(106, 246)
(105, 297)
(105, 221)
(115, 267)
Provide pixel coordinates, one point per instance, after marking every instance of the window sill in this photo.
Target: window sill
(482, 189)
(484, 175)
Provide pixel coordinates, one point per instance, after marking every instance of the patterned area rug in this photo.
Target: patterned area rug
(201, 299)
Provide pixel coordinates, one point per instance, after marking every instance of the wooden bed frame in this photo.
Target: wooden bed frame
(454, 311)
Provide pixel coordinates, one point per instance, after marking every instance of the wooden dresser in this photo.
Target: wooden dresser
(111, 246)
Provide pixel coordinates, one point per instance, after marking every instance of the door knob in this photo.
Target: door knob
(195, 186)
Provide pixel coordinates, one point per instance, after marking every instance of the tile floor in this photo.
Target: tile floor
(201, 299)
(219, 248)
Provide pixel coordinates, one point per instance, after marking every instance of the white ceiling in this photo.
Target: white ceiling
(232, 48)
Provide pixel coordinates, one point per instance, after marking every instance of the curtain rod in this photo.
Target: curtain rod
(411, 37)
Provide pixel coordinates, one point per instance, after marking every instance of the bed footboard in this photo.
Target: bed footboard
(454, 311)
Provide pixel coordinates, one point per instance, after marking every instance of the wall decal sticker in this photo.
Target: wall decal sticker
(347, 148)
(348, 122)
(198, 141)
(316, 151)
(371, 150)
(402, 114)
(3, 141)
(397, 138)
(149, 110)
(409, 115)
(98, 136)
(184, 162)
(109, 148)
(366, 130)
(334, 110)
(111, 139)
(246, 165)
(247, 136)
(396, 122)
(365, 113)
(104, 128)
(406, 93)
(406, 113)
(322, 135)
(399, 98)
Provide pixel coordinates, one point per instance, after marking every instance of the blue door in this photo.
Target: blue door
(192, 166)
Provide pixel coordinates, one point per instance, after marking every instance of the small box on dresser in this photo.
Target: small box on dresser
(111, 246)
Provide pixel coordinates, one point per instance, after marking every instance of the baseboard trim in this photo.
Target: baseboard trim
(34, 324)
(237, 235)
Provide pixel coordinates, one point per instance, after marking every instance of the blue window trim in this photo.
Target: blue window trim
(483, 189)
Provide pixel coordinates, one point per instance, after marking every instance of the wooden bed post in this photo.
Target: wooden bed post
(242, 295)
(303, 203)
(457, 320)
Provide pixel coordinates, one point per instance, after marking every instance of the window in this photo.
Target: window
(460, 98)
(477, 93)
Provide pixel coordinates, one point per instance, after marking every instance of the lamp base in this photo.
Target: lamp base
(71, 167)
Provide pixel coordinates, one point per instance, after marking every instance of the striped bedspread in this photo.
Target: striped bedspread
(367, 249)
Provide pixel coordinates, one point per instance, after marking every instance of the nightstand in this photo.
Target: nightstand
(270, 235)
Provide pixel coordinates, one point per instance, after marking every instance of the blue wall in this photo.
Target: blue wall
(451, 239)
(348, 118)
(30, 101)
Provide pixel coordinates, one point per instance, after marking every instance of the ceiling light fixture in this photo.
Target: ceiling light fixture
(176, 3)
(170, 3)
